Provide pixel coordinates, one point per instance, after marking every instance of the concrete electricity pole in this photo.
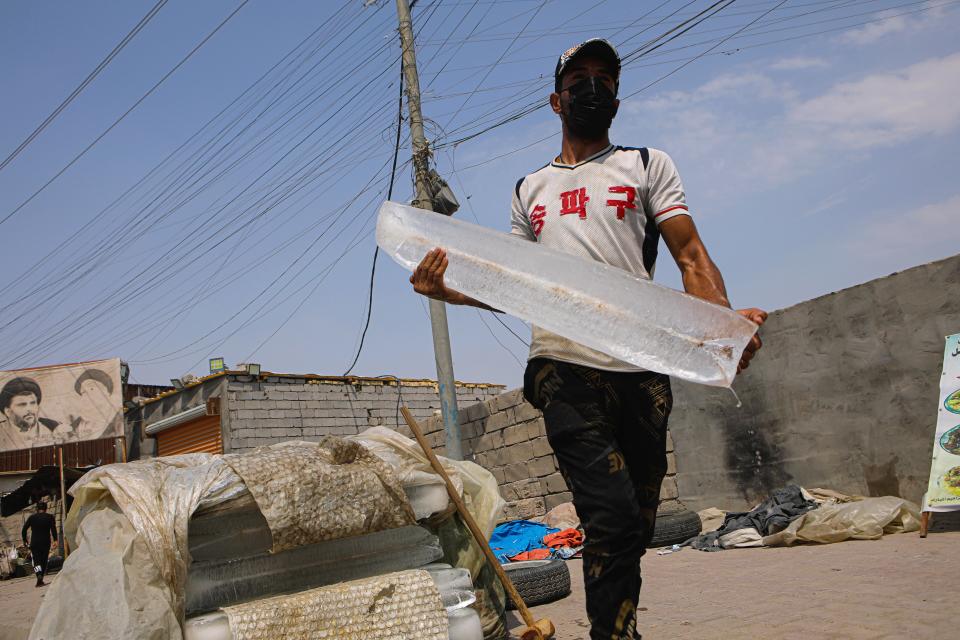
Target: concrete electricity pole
(438, 309)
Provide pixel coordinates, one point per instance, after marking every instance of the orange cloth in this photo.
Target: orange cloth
(534, 554)
(565, 538)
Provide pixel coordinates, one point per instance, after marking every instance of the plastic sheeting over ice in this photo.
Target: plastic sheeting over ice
(592, 303)
(108, 588)
(127, 576)
(334, 489)
(130, 521)
(478, 487)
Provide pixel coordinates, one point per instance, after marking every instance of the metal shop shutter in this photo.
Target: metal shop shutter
(201, 435)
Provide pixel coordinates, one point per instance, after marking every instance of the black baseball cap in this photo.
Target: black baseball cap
(594, 46)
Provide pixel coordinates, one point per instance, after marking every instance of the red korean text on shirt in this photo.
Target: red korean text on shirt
(630, 195)
(536, 219)
(574, 202)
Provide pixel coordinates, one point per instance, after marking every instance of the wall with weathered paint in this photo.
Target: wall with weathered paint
(843, 395)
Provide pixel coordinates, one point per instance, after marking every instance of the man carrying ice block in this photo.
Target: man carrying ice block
(605, 419)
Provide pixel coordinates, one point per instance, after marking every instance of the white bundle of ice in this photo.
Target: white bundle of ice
(594, 304)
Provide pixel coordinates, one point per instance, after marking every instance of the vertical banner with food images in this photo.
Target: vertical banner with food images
(943, 493)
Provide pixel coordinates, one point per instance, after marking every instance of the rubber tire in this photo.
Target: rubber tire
(538, 581)
(675, 527)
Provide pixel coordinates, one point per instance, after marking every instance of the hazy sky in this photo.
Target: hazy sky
(817, 147)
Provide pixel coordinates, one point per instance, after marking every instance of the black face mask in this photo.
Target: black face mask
(591, 108)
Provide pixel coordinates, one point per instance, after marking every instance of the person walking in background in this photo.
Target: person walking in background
(43, 528)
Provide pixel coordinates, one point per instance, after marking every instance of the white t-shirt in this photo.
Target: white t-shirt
(607, 208)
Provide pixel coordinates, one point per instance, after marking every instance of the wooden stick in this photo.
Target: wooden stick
(63, 504)
(471, 523)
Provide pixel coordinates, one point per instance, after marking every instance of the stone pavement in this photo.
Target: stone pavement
(898, 587)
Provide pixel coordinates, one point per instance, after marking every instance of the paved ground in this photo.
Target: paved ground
(897, 587)
(20, 599)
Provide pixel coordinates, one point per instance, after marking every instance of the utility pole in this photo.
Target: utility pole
(438, 309)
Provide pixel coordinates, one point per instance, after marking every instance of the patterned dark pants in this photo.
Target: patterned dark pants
(608, 431)
(40, 555)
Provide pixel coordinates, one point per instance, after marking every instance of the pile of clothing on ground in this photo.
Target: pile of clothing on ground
(558, 536)
(793, 514)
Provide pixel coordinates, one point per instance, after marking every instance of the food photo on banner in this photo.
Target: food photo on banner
(60, 404)
(943, 492)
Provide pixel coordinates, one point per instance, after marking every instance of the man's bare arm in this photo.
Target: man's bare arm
(427, 280)
(701, 277)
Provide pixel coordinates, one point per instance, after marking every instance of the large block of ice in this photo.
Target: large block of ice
(238, 528)
(597, 305)
(227, 533)
(221, 582)
(457, 595)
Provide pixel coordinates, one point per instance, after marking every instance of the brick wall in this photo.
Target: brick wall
(280, 408)
(506, 435)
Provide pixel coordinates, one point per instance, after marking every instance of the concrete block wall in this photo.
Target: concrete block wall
(279, 408)
(844, 395)
(506, 436)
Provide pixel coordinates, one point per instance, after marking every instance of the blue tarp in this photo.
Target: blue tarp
(517, 536)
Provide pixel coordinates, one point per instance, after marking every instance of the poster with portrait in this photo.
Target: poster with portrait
(60, 404)
(943, 492)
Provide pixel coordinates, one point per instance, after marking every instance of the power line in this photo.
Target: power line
(197, 230)
(376, 250)
(110, 243)
(507, 327)
(494, 336)
(505, 51)
(496, 316)
(125, 113)
(393, 173)
(480, 126)
(86, 81)
(280, 185)
(303, 175)
(294, 180)
(538, 104)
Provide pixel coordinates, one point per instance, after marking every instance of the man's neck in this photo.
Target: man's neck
(575, 150)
